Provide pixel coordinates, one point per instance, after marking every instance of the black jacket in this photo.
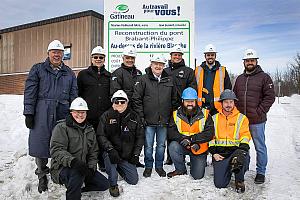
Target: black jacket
(183, 78)
(124, 78)
(94, 89)
(153, 100)
(255, 93)
(123, 132)
(205, 136)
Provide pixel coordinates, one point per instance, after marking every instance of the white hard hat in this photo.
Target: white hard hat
(79, 104)
(55, 45)
(159, 58)
(210, 49)
(129, 51)
(98, 50)
(119, 94)
(176, 49)
(250, 54)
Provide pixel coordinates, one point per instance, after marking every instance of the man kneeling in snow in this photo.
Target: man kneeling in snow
(190, 130)
(74, 152)
(231, 143)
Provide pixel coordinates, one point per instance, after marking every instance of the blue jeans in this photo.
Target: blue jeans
(73, 181)
(258, 135)
(222, 171)
(161, 136)
(127, 170)
(198, 162)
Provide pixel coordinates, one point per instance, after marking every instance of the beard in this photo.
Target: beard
(190, 110)
(250, 68)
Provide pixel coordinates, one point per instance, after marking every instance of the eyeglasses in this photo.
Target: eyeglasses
(98, 57)
(119, 101)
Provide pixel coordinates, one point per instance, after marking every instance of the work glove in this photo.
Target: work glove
(79, 166)
(195, 146)
(237, 160)
(29, 121)
(185, 142)
(114, 157)
(134, 159)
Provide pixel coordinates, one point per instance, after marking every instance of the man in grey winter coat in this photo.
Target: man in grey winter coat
(49, 90)
(74, 153)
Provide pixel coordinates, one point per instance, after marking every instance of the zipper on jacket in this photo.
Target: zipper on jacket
(245, 95)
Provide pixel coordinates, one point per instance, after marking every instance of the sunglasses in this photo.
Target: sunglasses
(98, 57)
(119, 102)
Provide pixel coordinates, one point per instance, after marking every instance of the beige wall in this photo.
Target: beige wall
(19, 50)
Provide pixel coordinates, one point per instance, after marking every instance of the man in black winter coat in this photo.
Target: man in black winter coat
(152, 100)
(183, 77)
(125, 77)
(94, 85)
(121, 134)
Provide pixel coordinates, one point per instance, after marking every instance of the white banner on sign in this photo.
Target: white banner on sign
(152, 27)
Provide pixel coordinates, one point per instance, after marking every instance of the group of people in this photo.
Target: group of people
(107, 118)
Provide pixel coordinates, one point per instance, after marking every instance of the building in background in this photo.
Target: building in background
(24, 45)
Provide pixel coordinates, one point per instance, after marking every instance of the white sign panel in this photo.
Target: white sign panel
(152, 27)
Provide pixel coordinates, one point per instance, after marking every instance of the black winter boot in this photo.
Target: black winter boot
(43, 184)
(114, 191)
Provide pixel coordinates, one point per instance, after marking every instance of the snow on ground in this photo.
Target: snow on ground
(18, 181)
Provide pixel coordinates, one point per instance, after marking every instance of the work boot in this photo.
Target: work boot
(114, 191)
(161, 172)
(168, 161)
(147, 172)
(140, 165)
(43, 184)
(175, 173)
(239, 186)
(259, 179)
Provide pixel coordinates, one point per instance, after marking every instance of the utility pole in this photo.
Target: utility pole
(279, 85)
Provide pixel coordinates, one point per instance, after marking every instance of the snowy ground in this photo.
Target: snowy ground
(17, 179)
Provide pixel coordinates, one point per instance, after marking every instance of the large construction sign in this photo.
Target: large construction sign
(152, 27)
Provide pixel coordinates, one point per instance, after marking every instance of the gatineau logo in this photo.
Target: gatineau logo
(121, 8)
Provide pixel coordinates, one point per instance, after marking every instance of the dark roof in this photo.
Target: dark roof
(53, 20)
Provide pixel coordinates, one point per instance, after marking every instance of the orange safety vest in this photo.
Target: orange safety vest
(185, 128)
(231, 130)
(218, 86)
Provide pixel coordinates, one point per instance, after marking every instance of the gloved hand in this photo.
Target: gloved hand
(195, 146)
(237, 160)
(80, 166)
(185, 142)
(134, 159)
(114, 156)
(29, 121)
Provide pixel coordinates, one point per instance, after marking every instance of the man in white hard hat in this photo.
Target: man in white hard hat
(212, 79)
(74, 158)
(126, 75)
(121, 135)
(152, 100)
(183, 77)
(94, 85)
(255, 91)
(49, 89)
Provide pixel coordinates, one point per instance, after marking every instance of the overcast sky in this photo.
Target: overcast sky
(271, 27)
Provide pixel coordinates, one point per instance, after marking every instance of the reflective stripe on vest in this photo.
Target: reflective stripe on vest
(236, 140)
(218, 86)
(188, 130)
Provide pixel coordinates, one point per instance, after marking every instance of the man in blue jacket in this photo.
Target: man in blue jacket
(49, 89)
